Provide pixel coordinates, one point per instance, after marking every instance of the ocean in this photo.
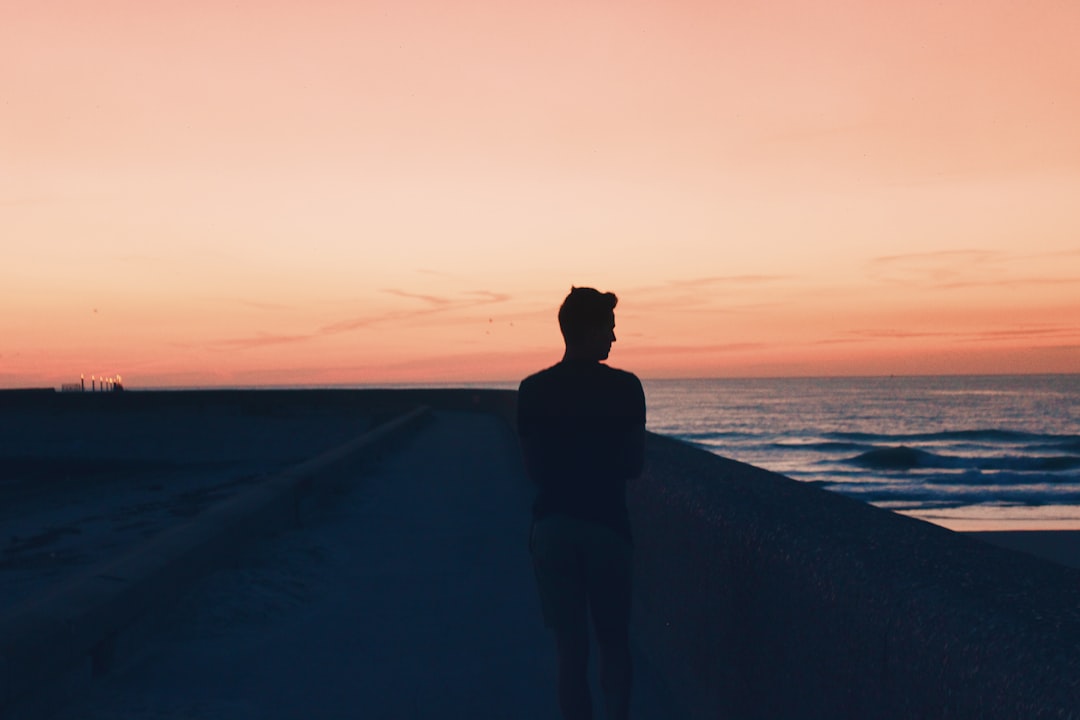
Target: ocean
(966, 452)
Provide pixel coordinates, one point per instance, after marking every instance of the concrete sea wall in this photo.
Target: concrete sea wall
(761, 597)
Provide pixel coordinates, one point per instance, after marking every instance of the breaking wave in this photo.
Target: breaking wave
(903, 457)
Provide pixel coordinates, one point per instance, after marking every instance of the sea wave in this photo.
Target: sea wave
(1069, 446)
(1058, 481)
(987, 435)
(903, 457)
(957, 497)
(711, 435)
(821, 446)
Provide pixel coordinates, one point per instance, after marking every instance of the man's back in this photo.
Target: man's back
(581, 426)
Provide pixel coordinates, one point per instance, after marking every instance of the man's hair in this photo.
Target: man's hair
(584, 311)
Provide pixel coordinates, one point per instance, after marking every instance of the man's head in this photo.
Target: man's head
(587, 321)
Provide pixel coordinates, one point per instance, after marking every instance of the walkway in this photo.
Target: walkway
(412, 597)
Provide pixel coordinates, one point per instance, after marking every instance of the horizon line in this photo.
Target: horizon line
(479, 384)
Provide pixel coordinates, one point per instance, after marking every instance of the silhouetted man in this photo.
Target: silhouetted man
(582, 430)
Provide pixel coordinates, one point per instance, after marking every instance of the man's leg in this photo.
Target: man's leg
(616, 675)
(572, 647)
(610, 588)
(560, 579)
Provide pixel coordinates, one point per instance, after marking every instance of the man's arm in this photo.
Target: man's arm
(527, 436)
(635, 455)
(632, 442)
(530, 454)
(629, 452)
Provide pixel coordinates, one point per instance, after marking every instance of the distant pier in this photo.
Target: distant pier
(98, 383)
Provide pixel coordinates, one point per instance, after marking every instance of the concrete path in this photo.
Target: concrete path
(412, 597)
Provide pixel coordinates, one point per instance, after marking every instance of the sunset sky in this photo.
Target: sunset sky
(244, 193)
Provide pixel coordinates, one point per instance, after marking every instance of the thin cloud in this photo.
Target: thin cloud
(475, 298)
(261, 340)
(1010, 282)
(942, 268)
(365, 321)
(727, 280)
(966, 269)
(692, 349)
(434, 305)
(889, 334)
(431, 299)
(479, 297)
(1024, 333)
(257, 304)
(714, 294)
(710, 281)
(968, 336)
(937, 256)
(841, 341)
(486, 297)
(1075, 252)
(437, 273)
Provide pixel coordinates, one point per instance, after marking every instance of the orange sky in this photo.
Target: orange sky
(208, 193)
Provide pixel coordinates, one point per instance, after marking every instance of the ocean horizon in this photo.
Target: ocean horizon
(512, 384)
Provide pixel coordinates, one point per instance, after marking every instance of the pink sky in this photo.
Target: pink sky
(280, 192)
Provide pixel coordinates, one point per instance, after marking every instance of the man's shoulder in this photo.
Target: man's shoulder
(568, 373)
(622, 375)
(538, 378)
(621, 381)
(577, 385)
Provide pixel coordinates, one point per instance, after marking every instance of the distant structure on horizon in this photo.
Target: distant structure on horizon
(97, 384)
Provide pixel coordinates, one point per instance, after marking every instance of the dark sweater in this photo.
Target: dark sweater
(582, 431)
